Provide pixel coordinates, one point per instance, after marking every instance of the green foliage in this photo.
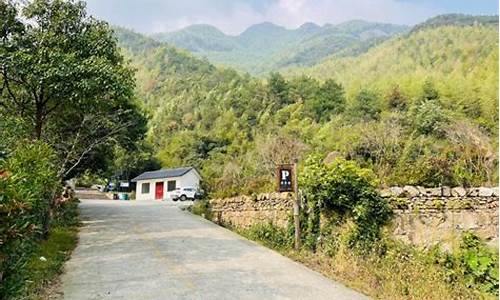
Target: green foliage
(270, 235)
(479, 264)
(56, 249)
(63, 76)
(27, 186)
(202, 208)
(428, 117)
(366, 106)
(396, 99)
(278, 89)
(350, 191)
(328, 100)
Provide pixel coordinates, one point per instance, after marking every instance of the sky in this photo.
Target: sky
(234, 16)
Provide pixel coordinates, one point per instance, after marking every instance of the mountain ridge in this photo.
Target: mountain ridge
(265, 46)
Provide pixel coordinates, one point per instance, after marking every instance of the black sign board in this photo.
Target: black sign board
(284, 174)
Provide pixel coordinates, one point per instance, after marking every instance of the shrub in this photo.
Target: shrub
(478, 264)
(428, 117)
(202, 208)
(271, 235)
(349, 191)
(27, 187)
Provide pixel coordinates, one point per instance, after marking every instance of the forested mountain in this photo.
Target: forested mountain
(266, 47)
(417, 109)
(462, 61)
(456, 20)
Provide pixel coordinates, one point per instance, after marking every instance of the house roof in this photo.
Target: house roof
(163, 173)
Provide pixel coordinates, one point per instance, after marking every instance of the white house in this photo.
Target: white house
(157, 184)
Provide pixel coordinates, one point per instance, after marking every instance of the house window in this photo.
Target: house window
(171, 185)
(145, 188)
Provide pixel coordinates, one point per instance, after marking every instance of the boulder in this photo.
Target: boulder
(472, 192)
(386, 193)
(411, 191)
(435, 192)
(396, 191)
(495, 191)
(458, 191)
(446, 191)
(485, 192)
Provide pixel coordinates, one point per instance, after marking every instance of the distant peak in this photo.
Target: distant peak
(309, 26)
(263, 26)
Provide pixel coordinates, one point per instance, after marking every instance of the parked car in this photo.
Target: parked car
(185, 193)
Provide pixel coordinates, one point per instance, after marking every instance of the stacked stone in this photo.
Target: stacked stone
(245, 211)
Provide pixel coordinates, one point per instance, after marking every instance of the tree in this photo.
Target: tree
(366, 106)
(329, 100)
(279, 89)
(429, 92)
(63, 74)
(428, 117)
(396, 99)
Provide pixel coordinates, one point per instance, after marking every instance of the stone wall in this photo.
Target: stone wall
(423, 216)
(426, 216)
(245, 211)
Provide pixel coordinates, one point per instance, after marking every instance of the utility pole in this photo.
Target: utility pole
(296, 205)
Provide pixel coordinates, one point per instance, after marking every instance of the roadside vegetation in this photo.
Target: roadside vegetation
(345, 235)
(66, 105)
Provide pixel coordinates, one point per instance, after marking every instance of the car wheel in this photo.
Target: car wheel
(175, 199)
(183, 198)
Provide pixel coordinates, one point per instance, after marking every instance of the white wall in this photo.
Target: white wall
(152, 187)
(190, 179)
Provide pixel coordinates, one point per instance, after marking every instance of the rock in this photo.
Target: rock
(386, 193)
(436, 192)
(485, 192)
(411, 191)
(458, 191)
(473, 192)
(446, 191)
(495, 191)
(396, 191)
(422, 190)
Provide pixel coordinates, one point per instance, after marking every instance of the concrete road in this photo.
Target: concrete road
(150, 250)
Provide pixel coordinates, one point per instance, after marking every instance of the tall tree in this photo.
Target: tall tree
(366, 106)
(279, 89)
(329, 100)
(62, 72)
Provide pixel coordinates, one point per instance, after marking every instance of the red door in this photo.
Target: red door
(159, 191)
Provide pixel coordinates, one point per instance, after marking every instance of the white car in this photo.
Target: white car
(184, 193)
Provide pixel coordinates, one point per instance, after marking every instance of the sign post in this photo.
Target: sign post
(296, 206)
(287, 182)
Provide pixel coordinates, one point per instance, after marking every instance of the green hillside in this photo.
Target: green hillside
(462, 61)
(419, 109)
(266, 47)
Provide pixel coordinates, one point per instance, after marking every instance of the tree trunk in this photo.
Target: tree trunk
(38, 122)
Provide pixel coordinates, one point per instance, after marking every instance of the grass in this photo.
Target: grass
(402, 272)
(48, 259)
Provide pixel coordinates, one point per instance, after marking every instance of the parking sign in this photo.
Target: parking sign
(285, 178)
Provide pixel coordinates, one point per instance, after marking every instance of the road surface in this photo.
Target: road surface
(153, 250)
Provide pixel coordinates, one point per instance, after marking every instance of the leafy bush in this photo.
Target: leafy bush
(202, 208)
(428, 117)
(271, 235)
(479, 265)
(27, 187)
(349, 191)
